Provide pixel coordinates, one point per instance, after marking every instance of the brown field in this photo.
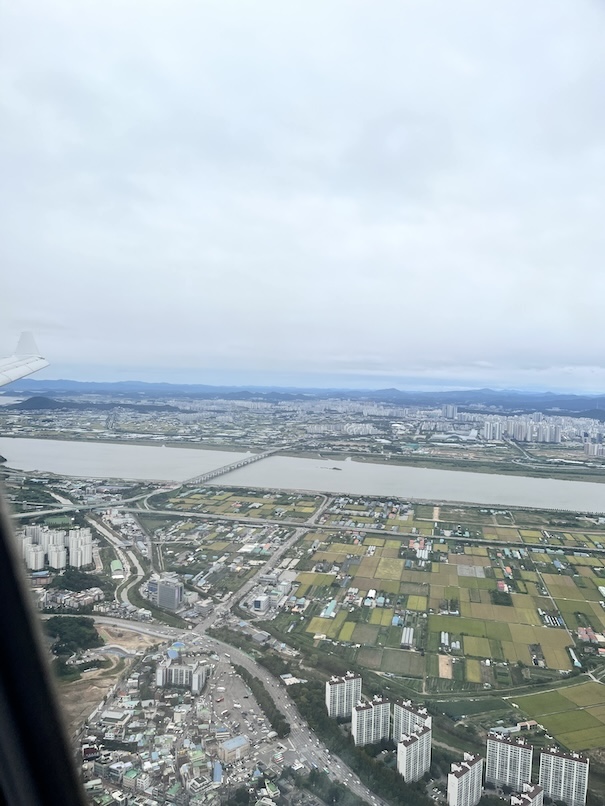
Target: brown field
(446, 671)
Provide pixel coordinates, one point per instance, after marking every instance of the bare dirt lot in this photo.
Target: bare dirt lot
(131, 641)
(81, 697)
(446, 671)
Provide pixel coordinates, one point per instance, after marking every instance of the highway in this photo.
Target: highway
(127, 557)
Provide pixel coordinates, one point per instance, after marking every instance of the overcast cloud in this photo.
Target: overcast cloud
(340, 193)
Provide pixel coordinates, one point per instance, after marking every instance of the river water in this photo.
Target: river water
(103, 460)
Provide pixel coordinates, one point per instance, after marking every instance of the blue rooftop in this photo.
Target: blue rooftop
(233, 744)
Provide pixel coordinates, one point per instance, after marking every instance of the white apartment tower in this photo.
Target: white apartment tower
(531, 795)
(414, 754)
(371, 721)
(57, 557)
(342, 693)
(34, 558)
(464, 782)
(508, 762)
(407, 717)
(564, 776)
(26, 544)
(80, 547)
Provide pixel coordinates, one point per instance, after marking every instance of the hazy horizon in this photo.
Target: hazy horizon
(316, 383)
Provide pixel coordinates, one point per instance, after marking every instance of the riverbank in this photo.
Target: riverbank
(461, 465)
(148, 443)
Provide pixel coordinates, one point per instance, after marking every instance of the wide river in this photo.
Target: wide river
(104, 460)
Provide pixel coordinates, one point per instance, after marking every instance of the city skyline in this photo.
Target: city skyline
(323, 194)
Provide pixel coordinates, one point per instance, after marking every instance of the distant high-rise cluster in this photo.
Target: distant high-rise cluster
(56, 547)
(508, 762)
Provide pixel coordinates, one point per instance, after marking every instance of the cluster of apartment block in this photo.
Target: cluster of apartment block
(57, 547)
(372, 721)
(563, 776)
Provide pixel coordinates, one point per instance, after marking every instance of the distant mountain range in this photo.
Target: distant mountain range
(42, 403)
(47, 392)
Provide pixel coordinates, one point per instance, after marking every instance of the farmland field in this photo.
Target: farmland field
(401, 662)
(473, 670)
(575, 716)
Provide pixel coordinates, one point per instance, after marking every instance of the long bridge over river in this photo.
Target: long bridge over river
(222, 471)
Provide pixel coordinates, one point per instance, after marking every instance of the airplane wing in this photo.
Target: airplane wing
(27, 359)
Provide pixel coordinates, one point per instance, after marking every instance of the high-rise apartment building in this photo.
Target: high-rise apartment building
(508, 762)
(57, 557)
(342, 694)
(34, 558)
(464, 782)
(414, 754)
(407, 717)
(371, 721)
(531, 795)
(564, 776)
(26, 544)
(80, 547)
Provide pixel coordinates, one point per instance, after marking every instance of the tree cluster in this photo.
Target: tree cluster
(72, 579)
(501, 598)
(72, 633)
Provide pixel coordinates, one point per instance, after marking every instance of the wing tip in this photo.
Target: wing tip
(27, 344)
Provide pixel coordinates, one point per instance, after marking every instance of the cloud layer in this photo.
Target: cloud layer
(370, 192)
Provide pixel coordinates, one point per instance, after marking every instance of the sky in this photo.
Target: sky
(325, 192)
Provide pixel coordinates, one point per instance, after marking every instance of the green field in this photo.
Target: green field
(402, 662)
(575, 715)
(476, 647)
(346, 632)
